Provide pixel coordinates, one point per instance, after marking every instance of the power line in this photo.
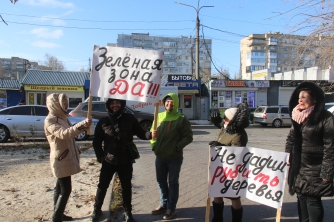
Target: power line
(87, 20)
(255, 23)
(226, 77)
(227, 32)
(104, 29)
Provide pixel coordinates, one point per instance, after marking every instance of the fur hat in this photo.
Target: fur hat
(229, 113)
(121, 110)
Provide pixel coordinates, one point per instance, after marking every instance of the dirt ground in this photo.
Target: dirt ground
(26, 184)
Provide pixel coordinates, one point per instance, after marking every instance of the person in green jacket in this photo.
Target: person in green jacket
(232, 133)
(173, 133)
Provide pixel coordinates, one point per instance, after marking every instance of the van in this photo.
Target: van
(276, 116)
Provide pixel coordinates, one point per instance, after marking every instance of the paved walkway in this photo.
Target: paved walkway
(193, 181)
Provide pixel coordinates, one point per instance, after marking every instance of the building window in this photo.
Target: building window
(240, 97)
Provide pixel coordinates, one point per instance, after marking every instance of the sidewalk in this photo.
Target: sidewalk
(193, 185)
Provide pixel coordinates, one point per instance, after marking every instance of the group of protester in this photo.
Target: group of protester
(310, 144)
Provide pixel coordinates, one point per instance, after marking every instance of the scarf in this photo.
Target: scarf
(299, 115)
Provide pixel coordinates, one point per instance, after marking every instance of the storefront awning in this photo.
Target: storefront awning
(191, 91)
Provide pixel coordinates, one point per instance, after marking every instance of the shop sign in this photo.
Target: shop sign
(180, 77)
(54, 88)
(185, 85)
(257, 83)
(259, 75)
(237, 83)
(218, 83)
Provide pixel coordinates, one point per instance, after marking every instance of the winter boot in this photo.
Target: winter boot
(236, 214)
(55, 199)
(100, 194)
(127, 212)
(217, 212)
(128, 216)
(59, 208)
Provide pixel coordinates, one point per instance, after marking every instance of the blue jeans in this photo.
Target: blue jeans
(310, 208)
(169, 191)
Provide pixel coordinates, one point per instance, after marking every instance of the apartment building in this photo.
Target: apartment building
(179, 66)
(179, 52)
(276, 52)
(15, 67)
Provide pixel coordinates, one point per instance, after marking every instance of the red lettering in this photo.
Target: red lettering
(274, 182)
(139, 92)
(217, 173)
(118, 85)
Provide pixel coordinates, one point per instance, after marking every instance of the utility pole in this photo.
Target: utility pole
(197, 34)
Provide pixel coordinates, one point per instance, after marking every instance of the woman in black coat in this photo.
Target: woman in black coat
(310, 143)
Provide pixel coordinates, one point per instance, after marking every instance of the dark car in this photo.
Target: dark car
(99, 111)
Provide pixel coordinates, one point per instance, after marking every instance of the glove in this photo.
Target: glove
(215, 113)
(215, 143)
(100, 160)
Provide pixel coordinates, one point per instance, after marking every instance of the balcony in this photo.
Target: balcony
(272, 41)
(272, 55)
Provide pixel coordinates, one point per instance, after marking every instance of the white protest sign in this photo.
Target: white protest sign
(254, 173)
(148, 106)
(126, 73)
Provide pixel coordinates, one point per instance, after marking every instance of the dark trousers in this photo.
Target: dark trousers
(124, 172)
(62, 192)
(310, 208)
(63, 187)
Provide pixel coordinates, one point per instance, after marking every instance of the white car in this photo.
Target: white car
(28, 121)
(330, 107)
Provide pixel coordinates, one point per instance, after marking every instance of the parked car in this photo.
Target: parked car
(276, 116)
(99, 111)
(28, 121)
(330, 107)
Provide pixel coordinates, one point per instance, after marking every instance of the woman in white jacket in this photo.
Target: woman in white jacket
(64, 153)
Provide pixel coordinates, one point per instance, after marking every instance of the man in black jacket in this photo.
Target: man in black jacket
(117, 154)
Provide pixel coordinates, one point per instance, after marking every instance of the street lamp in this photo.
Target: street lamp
(197, 34)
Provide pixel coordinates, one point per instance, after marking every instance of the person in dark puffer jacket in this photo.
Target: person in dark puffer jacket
(114, 148)
(310, 143)
(232, 133)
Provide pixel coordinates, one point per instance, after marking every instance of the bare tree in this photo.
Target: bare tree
(315, 18)
(53, 62)
(223, 73)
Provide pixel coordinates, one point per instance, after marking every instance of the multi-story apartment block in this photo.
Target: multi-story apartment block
(15, 67)
(276, 52)
(179, 53)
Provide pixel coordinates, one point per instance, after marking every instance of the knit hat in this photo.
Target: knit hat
(229, 113)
